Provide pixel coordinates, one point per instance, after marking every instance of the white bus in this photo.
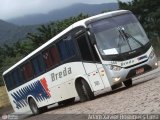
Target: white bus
(92, 55)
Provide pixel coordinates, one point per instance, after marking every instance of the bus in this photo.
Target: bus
(99, 53)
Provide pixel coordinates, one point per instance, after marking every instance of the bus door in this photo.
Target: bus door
(90, 61)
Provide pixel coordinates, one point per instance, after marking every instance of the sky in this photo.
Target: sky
(16, 8)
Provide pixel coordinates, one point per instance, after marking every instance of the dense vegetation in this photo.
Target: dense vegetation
(147, 11)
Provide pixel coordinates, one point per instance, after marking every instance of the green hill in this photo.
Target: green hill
(10, 33)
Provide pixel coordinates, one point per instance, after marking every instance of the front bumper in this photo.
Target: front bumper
(130, 72)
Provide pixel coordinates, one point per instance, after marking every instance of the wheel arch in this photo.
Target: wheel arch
(79, 79)
(31, 97)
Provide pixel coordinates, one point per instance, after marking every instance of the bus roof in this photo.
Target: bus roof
(76, 24)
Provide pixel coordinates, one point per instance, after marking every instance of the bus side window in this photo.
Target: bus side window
(27, 71)
(17, 77)
(47, 59)
(38, 65)
(84, 48)
(66, 48)
(55, 55)
(8, 81)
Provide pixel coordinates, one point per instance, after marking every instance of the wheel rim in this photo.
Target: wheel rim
(33, 106)
(85, 91)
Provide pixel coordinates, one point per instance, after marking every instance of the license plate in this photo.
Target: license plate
(139, 71)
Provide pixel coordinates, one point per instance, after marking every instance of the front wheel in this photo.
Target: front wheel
(84, 91)
(128, 83)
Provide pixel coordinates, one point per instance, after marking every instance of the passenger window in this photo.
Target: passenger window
(17, 77)
(38, 65)
(84, 48)
(55, 55)
(66, 48)
(47, 59)
(8, 81)
(27, 71)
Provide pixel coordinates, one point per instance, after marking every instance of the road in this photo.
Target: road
(142, 98)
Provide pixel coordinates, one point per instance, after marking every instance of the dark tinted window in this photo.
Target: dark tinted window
(84, 48)
(66, 48)
(27, 71)
(17, 77)
(47, 59)
(38, 65)
(55, 55)
(8, 81)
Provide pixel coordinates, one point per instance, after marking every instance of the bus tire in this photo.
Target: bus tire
(128, 83)
(84, 91)
(34, 108)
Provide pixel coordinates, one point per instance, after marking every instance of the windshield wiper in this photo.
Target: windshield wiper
(122, 36)
(127, 35)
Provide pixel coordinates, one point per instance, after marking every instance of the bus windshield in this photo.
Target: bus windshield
(118, 34)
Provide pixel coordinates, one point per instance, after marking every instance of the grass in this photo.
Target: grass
(3, 97)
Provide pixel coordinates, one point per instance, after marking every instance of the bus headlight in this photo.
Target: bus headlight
(116, 79)
(156, 64)
(114, 67)
(152, 54)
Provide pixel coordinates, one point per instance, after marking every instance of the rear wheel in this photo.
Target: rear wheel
(128, 83)
(84, 91)
(34, 108)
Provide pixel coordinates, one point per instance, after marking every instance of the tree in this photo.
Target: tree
(2, 54)
(9, 51)
(46, 32)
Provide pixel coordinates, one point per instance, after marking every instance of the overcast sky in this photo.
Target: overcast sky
(16, 8)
